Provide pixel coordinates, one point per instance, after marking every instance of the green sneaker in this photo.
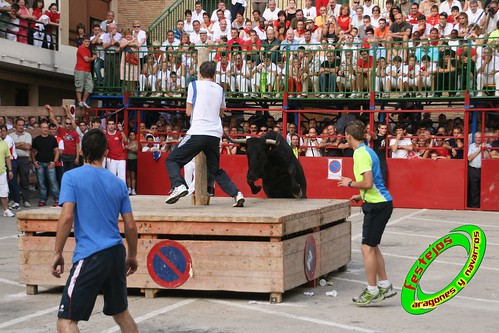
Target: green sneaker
(388, 291)
(366, 298)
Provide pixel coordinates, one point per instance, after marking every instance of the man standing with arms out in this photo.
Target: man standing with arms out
(205, 105)
(377, 207)
(70, 157)
(475, 168)
(5, 175)
(116, 155)
(22, 140)
(100, 261)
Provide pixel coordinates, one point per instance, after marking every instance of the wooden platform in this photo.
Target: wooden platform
(258, 248)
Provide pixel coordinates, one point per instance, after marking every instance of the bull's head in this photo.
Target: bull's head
(257, 150)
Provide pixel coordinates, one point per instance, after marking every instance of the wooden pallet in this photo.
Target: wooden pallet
(258, 248)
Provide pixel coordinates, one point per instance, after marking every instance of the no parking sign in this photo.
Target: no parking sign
(334, 168)
(169, 264)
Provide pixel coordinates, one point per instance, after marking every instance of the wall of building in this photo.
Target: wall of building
(144, 10)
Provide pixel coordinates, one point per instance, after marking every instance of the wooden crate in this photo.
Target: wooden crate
(258, 248)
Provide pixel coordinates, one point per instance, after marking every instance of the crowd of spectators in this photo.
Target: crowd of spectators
(32, 24)
(323, 51)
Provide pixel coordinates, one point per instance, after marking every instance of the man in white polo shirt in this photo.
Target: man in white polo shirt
(205, 105)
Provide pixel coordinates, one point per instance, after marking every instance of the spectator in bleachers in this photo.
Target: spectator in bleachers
(111, 45)
(368, 7)
(188, 27)
(364, 71)
(322, 19)
(462, 25)
(241, 73)
(5, 10)
(311, 141)
(455, 144)
(238, 7)
(446, 77)
(261, 29)
(401, 145)
(385, 11)
(195, 35)
(299, 17)
(444, 27)
(427, 76)
(358, 19)
(381, 76)
(244, 34)
(265, 77)
(179, 29)
(491, 18)
(272, 45)
(295, 145)
(215, 16)
(141, 37)
(150, 74)
(221, 30)
(130, 62)
(238, 21)
(84, 83)
(299, 31)
(270, 14)
(330, 144)
(309, 11)
(422, 27)
(487, 71)
(425, 6)
(346, 79)
(316, 33)
(399, 30)
(197, 14)
(327, 75)
(414, 13)
(98, 50)
(379, 139)
(291, 10)
(170, 41)
(207, 24)
(281, 20)
(453, 17)
(333, 9)
(446, 6)
(376, 17)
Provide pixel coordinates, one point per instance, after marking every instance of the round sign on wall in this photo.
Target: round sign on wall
(169, 264)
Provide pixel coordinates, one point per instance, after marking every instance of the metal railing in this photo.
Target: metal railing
(314, 71)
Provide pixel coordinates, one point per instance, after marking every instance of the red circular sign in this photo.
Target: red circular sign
(169, 264)
(310, 258)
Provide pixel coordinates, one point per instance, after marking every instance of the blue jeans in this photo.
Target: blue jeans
(13, 184)
(43, 173)
(327, 82)
(98, 65)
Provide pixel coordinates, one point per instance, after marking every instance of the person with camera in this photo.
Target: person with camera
(312, 143)
(490, 19)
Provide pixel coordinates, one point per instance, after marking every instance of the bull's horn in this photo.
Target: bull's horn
(271, 142)
(231, 140)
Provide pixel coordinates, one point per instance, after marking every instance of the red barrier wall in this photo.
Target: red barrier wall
(425, 183)
(490, 185)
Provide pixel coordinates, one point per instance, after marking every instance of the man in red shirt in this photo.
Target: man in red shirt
(116, 156)
(71, 139)
(83, 72)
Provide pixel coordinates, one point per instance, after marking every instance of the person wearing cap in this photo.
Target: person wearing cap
(270, 14)
(261, 29)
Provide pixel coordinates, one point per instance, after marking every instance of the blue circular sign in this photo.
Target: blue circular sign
(335, 166)
(169, 264)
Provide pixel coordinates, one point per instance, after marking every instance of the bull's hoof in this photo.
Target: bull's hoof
(256, 189)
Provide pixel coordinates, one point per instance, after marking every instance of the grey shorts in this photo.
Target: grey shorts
(84, 81)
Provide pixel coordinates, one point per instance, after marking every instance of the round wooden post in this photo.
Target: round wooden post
(200, 196)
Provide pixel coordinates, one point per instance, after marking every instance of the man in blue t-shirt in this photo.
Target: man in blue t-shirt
(377, 208)
(94, 198)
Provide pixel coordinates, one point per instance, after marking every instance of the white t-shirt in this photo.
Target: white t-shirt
(207, 98)
(310, 13)
(269, 15)
(401, 153)
(12, 147)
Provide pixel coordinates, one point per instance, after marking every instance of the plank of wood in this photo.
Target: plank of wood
(26, 111)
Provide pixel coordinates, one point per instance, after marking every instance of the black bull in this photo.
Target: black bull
(271, 158)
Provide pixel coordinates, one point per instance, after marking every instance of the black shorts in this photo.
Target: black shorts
(376, 216)
(131, 165)
(103, 271)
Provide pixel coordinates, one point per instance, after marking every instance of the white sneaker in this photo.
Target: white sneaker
(353, 95)
(133, 192)
(496, 93)
(8, 213)
(322, 96)
(480, 94)
(81, 105)
(129, 191)
(238, 200)
(15, 205)
(340, 95)
(85, 105)
(177, 193)
(27, 204)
